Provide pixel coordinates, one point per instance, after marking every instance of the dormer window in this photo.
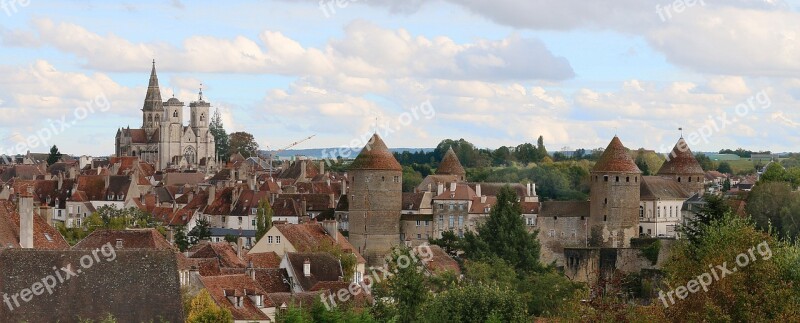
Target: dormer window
(110, 197)
(120, 197)
(119, 243)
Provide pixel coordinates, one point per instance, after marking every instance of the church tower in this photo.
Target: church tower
(153, 107)
(614, 198)
(376, 187)
(683, 167)
(199, 114)
(450, 165)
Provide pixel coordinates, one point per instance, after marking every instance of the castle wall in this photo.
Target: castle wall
(375, 207)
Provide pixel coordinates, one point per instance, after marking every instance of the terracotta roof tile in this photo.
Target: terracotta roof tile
(681, 161)
(450, 165)
(615, 159)
(375, 156)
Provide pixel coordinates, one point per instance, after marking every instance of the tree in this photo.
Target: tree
(204, 310)
(715, 208)
(200, 231)
(54, 156)
(181, 240)
(761, 290)
(476, 303)
(704, 161)
(774, 173)
(449, 242)
(725, 168)
(263, 218)
(726, 186)
(541, 151)
(642, 164)
(242, 143)
(402, 295)
(220, 136)
(774, 206)
(505, 235)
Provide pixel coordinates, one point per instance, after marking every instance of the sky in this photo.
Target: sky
(494, 72)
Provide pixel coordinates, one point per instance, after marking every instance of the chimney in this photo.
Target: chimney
(212, 194)
(344, 187)
(483, 199)
(60, 180)
(322, 166)
(302, 169)
(26, 220)
(440, 189)
(453, 187)
(533, 189)
(307, 268)
(304, 206)
(332, 228)
(528, 189)
(478, 189)
(250, 271)
(108, 180)
(170, 235)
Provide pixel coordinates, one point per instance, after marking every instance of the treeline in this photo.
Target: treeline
(742, 152)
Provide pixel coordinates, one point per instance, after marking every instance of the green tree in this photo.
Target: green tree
(642, 164)
(505, 235)
(476, 303)
(774, 173)
(411, 179)
(715, 208)
(405, 292)
(181, 240)
(774, 206)
(201, 231)
(449, 242)
(726, 186)
(725, 168)
(763, 290)
(704, 161)
(541, 151)
(263, 218)
(220, 136)
(242, 143)
(203, 309)
(54, 156)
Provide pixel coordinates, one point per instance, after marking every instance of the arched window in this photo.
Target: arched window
(150, 118)
(202, 117)
(158, 118)
(175, 114)
(190, 155)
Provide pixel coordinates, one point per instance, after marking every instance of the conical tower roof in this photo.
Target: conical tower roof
(681, 161)
(152, 101)
(615, 159)
(450, 164)
(375, 156)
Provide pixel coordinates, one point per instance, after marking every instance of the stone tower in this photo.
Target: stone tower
(614, 198)
(683, 167)
(450, 165)
(199, 114)
(376, 186)
(153, 107)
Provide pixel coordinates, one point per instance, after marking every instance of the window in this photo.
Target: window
(175, 113)
(641, 211)
(253, 222)
(441, 221)
(690, 179)
(397, 179)
(460, 221)
(253, 210)
(419, 222)
(679, 179)
(240, 220)
(277, 239)
(617, 179)
(383, 178)
(574, 233)
(452, 221)
(48, 237)
(551, 233)
(628, 179)
(366, 179)
(452, 206)
(269, 239)
(605, 178)
(441, 206)
(427, 223)
(419, 236)
(605, 217)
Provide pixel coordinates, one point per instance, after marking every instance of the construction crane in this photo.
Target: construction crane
(272, 153)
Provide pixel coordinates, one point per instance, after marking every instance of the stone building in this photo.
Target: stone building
(614, 198)
(682, 166)
(375, 201)
(163, 139)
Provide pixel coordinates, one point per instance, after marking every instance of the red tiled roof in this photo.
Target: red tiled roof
(222, 251)
(130, 239)
(615, 159)
(307, 236)
(264, 260)
(375, 156)
(44, 235)
(681, 161)
(450, 164)
(441, 261)
(238, 285)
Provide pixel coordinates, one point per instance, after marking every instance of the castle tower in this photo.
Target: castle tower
(450, 165)
(376, 187)
(153, 107)
(614, 198)
(682, 166)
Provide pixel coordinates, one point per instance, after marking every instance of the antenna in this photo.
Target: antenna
(376, 124)
(681, 130)
(201, 91)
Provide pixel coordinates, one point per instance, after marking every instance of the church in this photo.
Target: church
(163, 139)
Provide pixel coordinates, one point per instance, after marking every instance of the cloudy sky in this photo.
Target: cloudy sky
(494, 72)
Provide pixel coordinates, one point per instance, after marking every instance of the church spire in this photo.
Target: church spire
(152, 101)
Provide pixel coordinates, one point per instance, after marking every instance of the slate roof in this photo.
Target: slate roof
(324, 268)
(375, 156)
(273, 280)
(412, 201)
(615, 159)
(564, 209)
(136, 286)
(681, 161)
(655, 187)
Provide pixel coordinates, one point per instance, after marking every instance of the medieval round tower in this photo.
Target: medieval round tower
(376, 186)
(683, 167)
(614, 198)
(450, 165)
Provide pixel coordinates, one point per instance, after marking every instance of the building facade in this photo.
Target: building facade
(163, 139)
